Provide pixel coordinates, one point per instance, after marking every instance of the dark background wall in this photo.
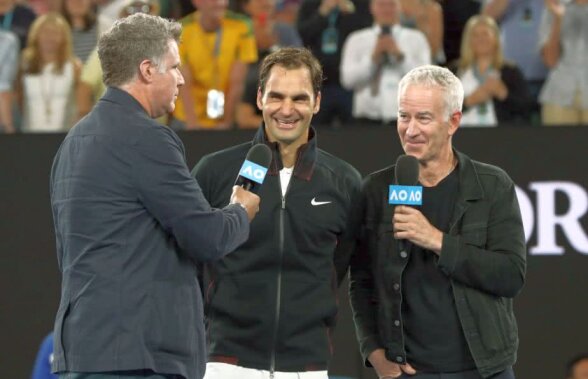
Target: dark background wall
(552, 309)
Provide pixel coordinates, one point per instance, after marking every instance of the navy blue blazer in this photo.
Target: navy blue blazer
(130, 223)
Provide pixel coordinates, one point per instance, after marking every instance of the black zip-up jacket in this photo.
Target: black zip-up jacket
(483, 254)
(272, 304)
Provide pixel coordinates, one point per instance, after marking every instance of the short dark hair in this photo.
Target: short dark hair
(571, 366)
(292, 58)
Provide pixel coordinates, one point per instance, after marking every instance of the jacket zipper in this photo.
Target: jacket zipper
(278, 285)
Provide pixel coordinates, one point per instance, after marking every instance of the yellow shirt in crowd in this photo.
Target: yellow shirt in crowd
(197, 52)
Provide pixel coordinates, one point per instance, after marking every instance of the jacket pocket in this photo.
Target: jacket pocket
(173, 318)
(475, 234)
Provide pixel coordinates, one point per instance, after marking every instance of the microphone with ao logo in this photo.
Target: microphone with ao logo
(405, 191)
(254, 168)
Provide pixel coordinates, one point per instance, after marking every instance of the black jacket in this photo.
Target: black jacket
(272, 304)
(483, 255)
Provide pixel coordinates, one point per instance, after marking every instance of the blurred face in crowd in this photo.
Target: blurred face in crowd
(167, 80)
(259, 8)
(483, 40)
(78, 8)
(385, 12)
(288, 104)
(423, 127)
(213, 10)
(581, 370)
(50, 40)
(6, 5)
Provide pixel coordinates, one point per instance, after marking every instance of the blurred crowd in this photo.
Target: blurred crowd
(522, 62)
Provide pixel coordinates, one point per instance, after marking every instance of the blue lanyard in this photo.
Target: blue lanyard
(333, 17)
(7, 22)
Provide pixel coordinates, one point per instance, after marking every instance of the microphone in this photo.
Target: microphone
(405, 191)
(254, 168)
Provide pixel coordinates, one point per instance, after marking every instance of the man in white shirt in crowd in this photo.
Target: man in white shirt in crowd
(374, 60)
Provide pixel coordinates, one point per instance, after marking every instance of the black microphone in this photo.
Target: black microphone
(254, 168)
(406, 173)
(407, 170)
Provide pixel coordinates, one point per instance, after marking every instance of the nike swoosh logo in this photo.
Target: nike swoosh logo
(315, 203)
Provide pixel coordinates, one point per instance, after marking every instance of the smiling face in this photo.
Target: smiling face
(166, 82)
(423, 126)
(288, 104)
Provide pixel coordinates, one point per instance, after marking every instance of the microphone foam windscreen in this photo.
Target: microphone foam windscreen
(260, 154)
(407, 170)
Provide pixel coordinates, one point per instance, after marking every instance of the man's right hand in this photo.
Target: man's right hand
(248, 200)
(386, 369)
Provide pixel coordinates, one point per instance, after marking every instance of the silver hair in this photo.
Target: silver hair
(435, 76)
(132, 40)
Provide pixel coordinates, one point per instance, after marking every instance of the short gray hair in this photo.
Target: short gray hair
(435, 76)
(130, 41)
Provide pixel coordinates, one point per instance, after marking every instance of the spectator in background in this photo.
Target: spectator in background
(426, 16)
(270, 35)
(109, 9)
(90, 87)
(375, 59)
(495, 90)
(564, 47)
(217, 47)
(85, 25)
(324, 26)
(42, 367)
(577, 368)
(16, 18)
(519, 25)
(49, 74)
(455, 15)
(9, 52)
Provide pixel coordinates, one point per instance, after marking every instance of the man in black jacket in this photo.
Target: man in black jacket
(438, 304)
(130, 221)
(271, 305)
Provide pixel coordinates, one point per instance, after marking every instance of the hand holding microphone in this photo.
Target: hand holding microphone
(409, 223)
(250, 179)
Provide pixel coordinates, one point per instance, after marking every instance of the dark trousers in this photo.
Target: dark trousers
(134, 374)
(473, 374)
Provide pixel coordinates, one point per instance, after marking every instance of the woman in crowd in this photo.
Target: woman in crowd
(564, 47)
(85, 25)
(49, 74)
(495, 90)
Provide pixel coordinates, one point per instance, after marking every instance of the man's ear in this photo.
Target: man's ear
(146, 70)
(454, 121)
(259, 98)
(317, 103)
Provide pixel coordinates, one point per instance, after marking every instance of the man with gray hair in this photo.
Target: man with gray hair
(438, 304)
(130, 221)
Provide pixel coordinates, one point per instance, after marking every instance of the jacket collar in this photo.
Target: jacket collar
(470, 187)
(305, 157)
(125, 99)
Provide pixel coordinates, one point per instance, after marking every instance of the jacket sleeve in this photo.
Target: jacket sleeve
(517, 103)
(346, 242)
(490, 255)
(362, 290)
(310, 23)
(357, 67)
(175, 199)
